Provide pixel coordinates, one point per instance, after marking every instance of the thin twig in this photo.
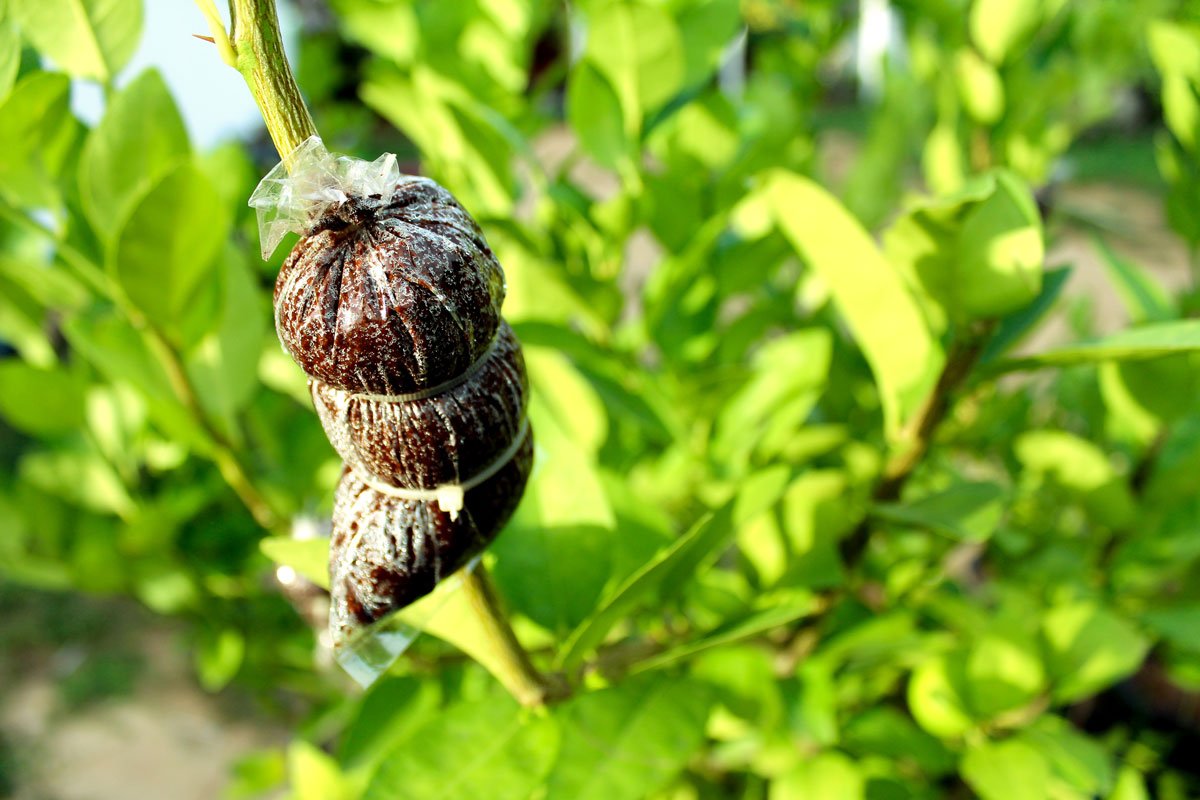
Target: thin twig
(224, 452)
(918, 436)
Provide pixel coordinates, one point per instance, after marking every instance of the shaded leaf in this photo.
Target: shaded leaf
(968, 511)
(1090, 649)
(167, 245)
(668, 569)
(488, 749)
(627, 741)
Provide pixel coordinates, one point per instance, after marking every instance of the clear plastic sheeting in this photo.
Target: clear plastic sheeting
(372, 652)
(291, 200)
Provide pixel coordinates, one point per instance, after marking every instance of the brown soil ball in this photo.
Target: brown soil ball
(448, 437)
(390, 297)
(387, 552)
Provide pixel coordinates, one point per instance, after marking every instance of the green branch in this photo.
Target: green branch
(254, 47)
(918, 433)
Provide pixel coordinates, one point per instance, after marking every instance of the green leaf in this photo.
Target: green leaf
(568, 492)
(789, 374)
(1179, 625)
(490, 749)
(566, 395)
(1133, 344)
(10, 55)
(109, 343)
(1083, 469)
(1175, 50)
(41, 402)
(35, 125)
(1015, 326)
(826, 775)
(815, 713)
(463, 143)
(595, 115)
(225, 362)
(1004, 672)
(967, 511)
(1006, 770)
(219, 657)
(139, 139)
(775, 612)
(666, 571)
(977, 253)
(706, 28)
(639, 49)
(308, 557)
(451, 615)
(389, 713)
(887, 732)
(1130, 785)
(554, 574)
(1076, 761)
(1002, 251)
(628, 741)
(167, 245)
(817, 510)
(1165, 389)
(979, 86)
(1144, 297)
(87, 38)
(387, 29)
(314, 775)
(1089, 649)
(937, 696)
(81, 477)
(998, 27)
(869, 292)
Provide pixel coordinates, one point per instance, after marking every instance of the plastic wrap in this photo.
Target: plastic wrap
(290, 201)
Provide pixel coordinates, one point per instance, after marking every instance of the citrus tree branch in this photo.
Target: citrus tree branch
(257, 48)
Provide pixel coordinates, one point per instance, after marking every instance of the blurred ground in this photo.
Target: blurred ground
(98, 702)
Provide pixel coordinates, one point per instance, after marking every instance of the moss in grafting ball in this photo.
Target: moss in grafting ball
(390, 296)
(447, 437)
(387, 552)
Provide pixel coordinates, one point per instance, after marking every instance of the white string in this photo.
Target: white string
(450, 496)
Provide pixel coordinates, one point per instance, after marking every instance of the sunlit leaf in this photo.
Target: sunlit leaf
(869, 292)
(1006, 769)
(1090, 649)
(87, 38)
(140, 137)
(1133, 344)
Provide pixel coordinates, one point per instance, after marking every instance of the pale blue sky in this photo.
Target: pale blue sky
(215, 102)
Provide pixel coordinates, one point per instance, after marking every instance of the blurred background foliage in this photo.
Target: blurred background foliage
(839, 494)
